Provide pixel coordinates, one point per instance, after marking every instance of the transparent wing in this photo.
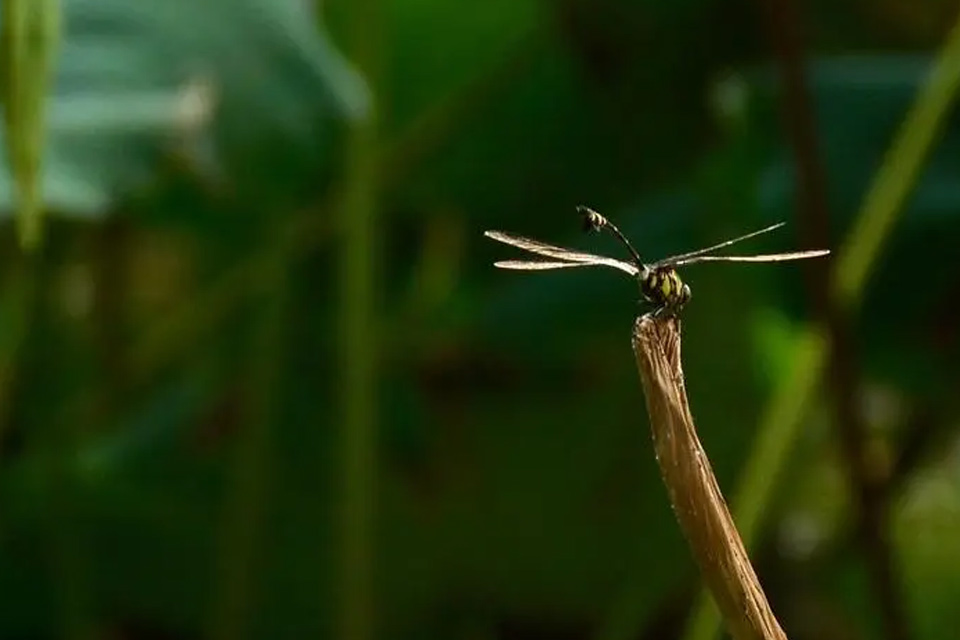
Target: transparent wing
(533, 265)
(674, 261)
(770, 257)
(542, 248)
(536, 265)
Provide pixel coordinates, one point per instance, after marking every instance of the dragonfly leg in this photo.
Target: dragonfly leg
(661, 311)
(667, 310)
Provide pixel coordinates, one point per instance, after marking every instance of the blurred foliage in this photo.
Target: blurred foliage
(171, 394)
(29, 44)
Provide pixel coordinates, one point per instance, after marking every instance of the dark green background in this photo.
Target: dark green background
(175, 411)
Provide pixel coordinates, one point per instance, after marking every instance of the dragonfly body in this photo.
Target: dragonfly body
(659, 282)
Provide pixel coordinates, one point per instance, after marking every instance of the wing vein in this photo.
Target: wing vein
(675, 260)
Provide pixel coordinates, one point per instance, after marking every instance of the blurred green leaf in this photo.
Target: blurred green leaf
(220, 81)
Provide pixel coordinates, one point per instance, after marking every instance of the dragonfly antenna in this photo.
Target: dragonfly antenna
(593, 221)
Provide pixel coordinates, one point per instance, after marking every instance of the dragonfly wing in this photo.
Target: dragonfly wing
(674, 261)
(770, 257)
(542, 248)
(536, 265)
(544, 265)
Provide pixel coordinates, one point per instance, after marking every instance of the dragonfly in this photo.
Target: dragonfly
(659, 283)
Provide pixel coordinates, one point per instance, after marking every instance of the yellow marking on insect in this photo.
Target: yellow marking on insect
(665, 287)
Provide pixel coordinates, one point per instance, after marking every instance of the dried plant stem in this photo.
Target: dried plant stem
(694, 493)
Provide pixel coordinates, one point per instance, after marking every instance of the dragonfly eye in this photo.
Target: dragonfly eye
(685, 294)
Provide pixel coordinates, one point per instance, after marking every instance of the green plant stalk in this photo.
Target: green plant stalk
(358, 366)
(245, 507)
(29, 43)
(882, 205)
(359, 342)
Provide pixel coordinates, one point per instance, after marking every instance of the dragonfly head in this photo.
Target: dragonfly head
(663, 287)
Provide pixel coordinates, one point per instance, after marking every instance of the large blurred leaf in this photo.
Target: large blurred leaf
(138, 77)
(860, 101)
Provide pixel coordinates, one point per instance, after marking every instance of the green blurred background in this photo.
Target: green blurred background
(261, 379)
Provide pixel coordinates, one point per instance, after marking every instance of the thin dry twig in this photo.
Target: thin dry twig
(693, 489)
